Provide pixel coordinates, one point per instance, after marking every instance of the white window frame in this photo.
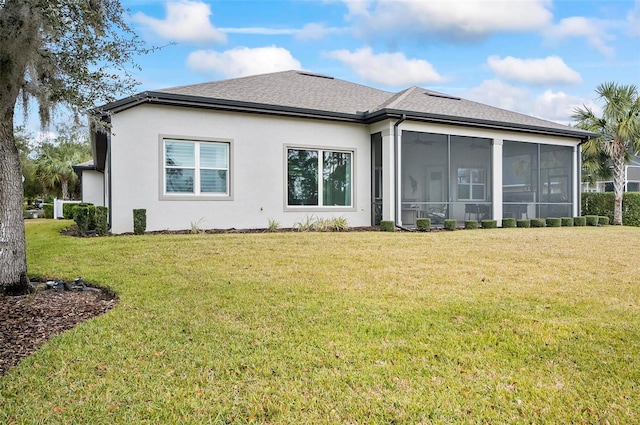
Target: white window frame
(197, 194)
(471, 184)
(320, 150)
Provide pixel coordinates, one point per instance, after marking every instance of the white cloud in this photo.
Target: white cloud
(592, 29)
(457, 20)
(550, 70)
(243, 61)
(549, 105)
(315, 31)
(389, 69)
(501, 95)
(185, 21)
(260, 31)
(558, 106)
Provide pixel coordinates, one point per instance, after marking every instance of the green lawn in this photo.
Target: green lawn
(483, 326)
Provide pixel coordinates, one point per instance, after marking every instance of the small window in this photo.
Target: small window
(471, 184)
(321, 178)
(196, 168)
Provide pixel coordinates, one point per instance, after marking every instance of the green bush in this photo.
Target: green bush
(387, 226)
(139, 221)
(508, 223)
(471, 224)
(630, 209)
(81, 217)
(423, 224)
(566, 221)
(538, 222)
(592, 220)
(67, 210)
(598, 204)
(601, 204)
(523, 222)
(92, 213)
(48, 210)
(102, 216)
(553, 222)
(489, 224)
(450, 224)
(580, 221)
(603, 221)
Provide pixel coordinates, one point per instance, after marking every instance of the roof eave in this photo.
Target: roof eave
(475, 122)
(171, 99)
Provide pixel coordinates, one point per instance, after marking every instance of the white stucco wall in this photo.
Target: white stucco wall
(257, 167)
(93, 187)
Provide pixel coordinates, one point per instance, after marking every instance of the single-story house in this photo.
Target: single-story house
(92, 182)
(631, 179)
(288, 146)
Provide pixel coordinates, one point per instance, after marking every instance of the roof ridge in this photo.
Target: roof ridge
(228, 79)
(396, 98)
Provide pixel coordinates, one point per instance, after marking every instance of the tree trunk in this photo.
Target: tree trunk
(65, 189)
(617, 154)
(18, 33)
(13, 258)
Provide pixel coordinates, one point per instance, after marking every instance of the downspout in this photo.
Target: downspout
(397, 171)
(585, 140)
(109, 180)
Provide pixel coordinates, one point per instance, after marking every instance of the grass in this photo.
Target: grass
(498, 326)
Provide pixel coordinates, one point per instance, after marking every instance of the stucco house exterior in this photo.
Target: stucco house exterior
(290, 145)
(631, 179)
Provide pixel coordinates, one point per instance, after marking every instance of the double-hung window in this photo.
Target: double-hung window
(196, 168)
(471, 184)
(319, 178)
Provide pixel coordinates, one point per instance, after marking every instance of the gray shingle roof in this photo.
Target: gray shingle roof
(300, 91)
(295, 89)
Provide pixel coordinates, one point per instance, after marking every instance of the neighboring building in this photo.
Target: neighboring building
(631, 179)
(92, 183)
(291, 145)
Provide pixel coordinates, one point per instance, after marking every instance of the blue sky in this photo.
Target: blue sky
(538, 57)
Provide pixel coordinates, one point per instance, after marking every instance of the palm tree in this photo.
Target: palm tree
(619, 129)
(55, 165)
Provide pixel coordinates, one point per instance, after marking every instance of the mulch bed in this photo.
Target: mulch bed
(28, 321)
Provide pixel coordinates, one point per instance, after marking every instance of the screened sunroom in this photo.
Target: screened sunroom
(445, 176)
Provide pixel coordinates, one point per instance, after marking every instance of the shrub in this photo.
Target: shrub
(538, 222)
(579, 221)
(566, 221)
(339, 224)
(630, 209)
(601, 204)
(523, 222)
(387, 226)
(553, 222)
(471, 224)
(598, 204)
(489, 224)
(102, 215)
(603, 221)
(423, 224)
(508, 223)
(592, 220)
(48, 210)
(450, 224)
(139, 221)
(67, 210)
(81, 217)
(307, 225)
(273, 225)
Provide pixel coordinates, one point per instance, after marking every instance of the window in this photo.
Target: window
(471, 184)
(318, 177)
(196, 168)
